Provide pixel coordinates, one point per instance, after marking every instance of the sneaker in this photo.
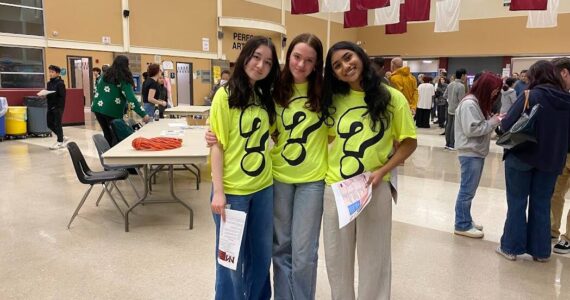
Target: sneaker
(472, 233)
(563, 247)
(56, 146)
(542, 260)
(65, 139)
(505, 255)
(451, 149)
(478, 226)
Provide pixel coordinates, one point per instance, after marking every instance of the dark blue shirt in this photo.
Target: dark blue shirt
(552, 128)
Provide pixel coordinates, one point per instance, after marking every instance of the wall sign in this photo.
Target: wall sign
(240, 39)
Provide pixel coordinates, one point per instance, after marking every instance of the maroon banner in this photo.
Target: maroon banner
(371, 4)
(301, 7)
(401, 27)
(417, 10)
(528, 5)
(355, 17)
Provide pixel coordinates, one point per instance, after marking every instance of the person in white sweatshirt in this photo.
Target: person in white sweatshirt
(473, 127)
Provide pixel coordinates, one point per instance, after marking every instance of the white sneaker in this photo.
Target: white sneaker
(56, 146)
(472, 233)
(505, 255)
(478, 226)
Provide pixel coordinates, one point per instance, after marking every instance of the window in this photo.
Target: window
(21, 68)
(21, 17)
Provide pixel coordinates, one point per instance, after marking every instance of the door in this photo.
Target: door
(184, 83)
(81, 77)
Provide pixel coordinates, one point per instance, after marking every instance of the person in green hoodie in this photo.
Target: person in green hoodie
(111, 96)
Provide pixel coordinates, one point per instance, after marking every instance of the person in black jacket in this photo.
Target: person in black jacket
(56, 105)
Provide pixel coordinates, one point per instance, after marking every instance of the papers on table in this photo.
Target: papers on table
(351, 196)
(184, 126)
(44, 92)
(231, 234)
(178, 125)
(172, 133)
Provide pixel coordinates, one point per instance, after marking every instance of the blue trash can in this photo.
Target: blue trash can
(2, 127)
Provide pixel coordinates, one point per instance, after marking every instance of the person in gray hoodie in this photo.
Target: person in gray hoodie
(454, 93)
(508, 95)
(473, 128)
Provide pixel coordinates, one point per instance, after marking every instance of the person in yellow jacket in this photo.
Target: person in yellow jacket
(405, 82)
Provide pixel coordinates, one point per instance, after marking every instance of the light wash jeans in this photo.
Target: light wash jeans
(251, 278)
(471, 170)
(297, 212)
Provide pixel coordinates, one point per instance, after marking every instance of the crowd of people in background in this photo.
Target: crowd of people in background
(318, 103)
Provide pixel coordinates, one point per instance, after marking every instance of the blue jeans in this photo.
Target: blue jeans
(149, 109)
(471, 170)
(251, 278)
(526, 184)
(297, 213)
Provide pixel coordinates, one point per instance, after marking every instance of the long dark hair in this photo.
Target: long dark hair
(483, 88)
(119, 71)
(543, 72)
(239, 87)
(284, 91)
(376, 95)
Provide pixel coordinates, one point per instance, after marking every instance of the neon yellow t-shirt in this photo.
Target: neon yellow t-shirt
(356, 148)
(244, 137)
(300, 154)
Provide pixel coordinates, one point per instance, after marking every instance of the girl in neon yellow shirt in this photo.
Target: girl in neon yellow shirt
(299, 160)
(368, 118)
(241, 115)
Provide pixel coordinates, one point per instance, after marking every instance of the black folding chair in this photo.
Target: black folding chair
(86, 176)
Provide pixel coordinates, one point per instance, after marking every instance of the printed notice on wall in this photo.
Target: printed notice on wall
(231, 233)
(351, 196)
(205, 44)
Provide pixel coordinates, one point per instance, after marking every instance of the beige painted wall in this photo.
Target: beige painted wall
(58, 57)
(339, 33)
(82, 20)
(178, 24)
(244, 9)
(201, 90)
(297, 24)
(490, 37)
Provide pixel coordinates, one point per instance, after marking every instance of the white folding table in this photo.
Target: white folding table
(193, 151)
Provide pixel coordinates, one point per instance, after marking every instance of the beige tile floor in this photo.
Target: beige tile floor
(161, 259)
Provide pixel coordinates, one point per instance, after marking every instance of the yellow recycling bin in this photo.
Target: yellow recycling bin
(16, 120)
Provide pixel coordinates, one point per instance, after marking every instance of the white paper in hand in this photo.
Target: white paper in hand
(231, 234)
(44, 92)
(351, 196)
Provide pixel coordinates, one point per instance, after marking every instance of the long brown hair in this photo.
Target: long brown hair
(284, 90)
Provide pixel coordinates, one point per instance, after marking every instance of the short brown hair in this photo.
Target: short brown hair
(153, 69)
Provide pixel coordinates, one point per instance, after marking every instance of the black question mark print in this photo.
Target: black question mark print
(297, 119)
(355, 128)
(255, 126)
